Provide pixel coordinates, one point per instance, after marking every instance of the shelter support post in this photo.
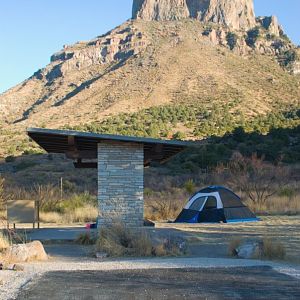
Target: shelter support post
(120, 183)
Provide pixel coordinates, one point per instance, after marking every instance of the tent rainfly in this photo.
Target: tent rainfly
(215, 204)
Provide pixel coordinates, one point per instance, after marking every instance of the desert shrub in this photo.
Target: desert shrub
(272, 249)
(207, 30)
(190, 186)
(268, 249)
(33, 151)
(231, 38)
(288, 57)
(87, 213)
(83, 214)
(24, 165)
(179, 136)
(252, 36)
(148, 192)
(48, 197)
(163, 207)
(52, 217)
(287, 191)
(10, 159)
(233, 245)
(77, 201)
(257, 179)
(118, 240)
(86, 238)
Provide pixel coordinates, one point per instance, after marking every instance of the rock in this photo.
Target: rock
(115, 46)
(101, 255)
(14, 267)
(271, 24)
(26, 252)
(249, 250)
(236, 14)
(296, 68)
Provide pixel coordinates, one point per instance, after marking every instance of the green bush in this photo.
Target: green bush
(10, 159)
(77, 201)
(289, 57)
(232, 39)
(190, 186)
(25, 165)
(179, 136)
(252, 36)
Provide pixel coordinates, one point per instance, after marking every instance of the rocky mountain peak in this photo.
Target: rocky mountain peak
(236, 14)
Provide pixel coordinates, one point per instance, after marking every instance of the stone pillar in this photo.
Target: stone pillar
(121, 183)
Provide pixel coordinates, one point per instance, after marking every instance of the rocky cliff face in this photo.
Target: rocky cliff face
(236, 14)
(142, 64)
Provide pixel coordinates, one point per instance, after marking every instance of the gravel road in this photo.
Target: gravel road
(13, 281)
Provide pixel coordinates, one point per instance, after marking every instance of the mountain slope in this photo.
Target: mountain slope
(179, 68)
(146, 64)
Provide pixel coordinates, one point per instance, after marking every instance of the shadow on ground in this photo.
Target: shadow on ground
(216, 283)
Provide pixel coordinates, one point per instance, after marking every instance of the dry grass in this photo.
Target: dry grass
(164, 206)
(4, 242)
(118, 241)
(86, 238)
(278, 206)
(268, 249)
(88, 213)
(233, 245)
(273, 250)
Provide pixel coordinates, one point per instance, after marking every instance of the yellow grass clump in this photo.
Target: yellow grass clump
(273, 249)
(277, 205)
(88, 213)
(4, 242)
(118, 240)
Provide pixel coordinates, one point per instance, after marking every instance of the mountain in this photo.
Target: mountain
(237, 14)
(172, 52)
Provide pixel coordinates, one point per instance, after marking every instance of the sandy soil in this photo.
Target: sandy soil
(212, 239)
(208, 249)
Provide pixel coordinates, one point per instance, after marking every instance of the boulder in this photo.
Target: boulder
(101, 255)
(249, 250)
(26, 252)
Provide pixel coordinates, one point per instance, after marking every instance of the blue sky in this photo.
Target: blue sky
(32, 30)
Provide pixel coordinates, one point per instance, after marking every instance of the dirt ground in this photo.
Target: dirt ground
(212, 240)
(220, 283)
(207, 272)
(204, 240)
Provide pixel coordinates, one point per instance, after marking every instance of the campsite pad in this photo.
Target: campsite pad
(211, 240)
(224, 283)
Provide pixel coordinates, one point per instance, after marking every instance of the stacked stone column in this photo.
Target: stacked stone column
(120, 183)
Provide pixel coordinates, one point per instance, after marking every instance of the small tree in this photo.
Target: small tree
(190, 186)
(252, 36)
(232, 39)
(257, 179)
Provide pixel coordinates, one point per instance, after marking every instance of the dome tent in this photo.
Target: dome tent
(215, 204)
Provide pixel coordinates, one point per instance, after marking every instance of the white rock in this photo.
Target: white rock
(248, 250)
(26, 252)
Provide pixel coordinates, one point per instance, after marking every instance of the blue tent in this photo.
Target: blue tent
(215, 204)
